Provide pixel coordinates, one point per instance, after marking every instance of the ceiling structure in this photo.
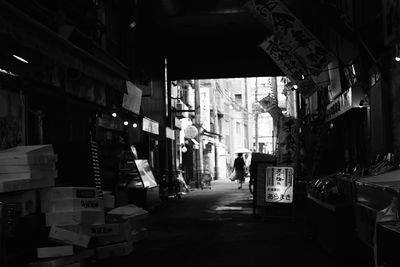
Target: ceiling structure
(208, 39)
(220, 38)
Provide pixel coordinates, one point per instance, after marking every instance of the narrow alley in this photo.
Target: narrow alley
(217, 228)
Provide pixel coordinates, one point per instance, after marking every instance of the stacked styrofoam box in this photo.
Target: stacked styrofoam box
(127, 225)
(71, 206)
(68, 210)
(27, 167)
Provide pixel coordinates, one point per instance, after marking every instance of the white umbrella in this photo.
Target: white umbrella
(242, 150)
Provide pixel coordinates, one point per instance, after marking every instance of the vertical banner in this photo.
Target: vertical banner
(276, 17)
(205, 107)
(289, 63)
(287, 134)
(281, 54)
(279, 184)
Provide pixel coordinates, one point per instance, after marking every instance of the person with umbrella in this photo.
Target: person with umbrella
(238, 166)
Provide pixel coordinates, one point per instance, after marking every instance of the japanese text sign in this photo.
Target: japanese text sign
(276, 17)
(279, 184)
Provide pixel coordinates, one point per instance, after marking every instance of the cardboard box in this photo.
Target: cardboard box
(65, 236)
(73, 204)
(12, 185)
(29, 160)
(27, 168)
(114, 250)
(58, 193)
(20, 155)
(128, 231)
(36, 174)
(109, 229)
(75, 217)
(52, 252)
(123, 213)
(26, 200)
(79, 256)
(124, 234)
(138, 235)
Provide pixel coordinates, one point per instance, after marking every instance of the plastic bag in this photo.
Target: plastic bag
(233, 177)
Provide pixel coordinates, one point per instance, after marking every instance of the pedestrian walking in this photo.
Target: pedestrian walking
(238, 167)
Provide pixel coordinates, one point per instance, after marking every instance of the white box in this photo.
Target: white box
(73, 204)
(59, 234)
(58, 251)
(40, 154)
(36, 174)
(108, 229)
(25, 199)
(12, 185)
(124, 234)
(27, 168)
(75, 217)
(124, 213)
(114, 250)
(79, 256)
(68, 192)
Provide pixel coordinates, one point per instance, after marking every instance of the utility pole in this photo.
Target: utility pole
(247, 115)
(256, 118)
(199, 155)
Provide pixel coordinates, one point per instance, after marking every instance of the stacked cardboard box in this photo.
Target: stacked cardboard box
(76, 217)
(132, 223)
(68, 210)
(27, 167)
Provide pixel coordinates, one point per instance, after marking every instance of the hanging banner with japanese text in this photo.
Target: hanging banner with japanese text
(276, 17)
(205, 107)
(279, 184)
(282, 55)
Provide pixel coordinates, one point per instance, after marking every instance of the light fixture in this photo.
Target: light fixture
(303, 77)
(295, 87)
(126, 123)
(184, 149)
(133, 24)
(134, 125)
(21, 59)
(397, 53)
(114, 114)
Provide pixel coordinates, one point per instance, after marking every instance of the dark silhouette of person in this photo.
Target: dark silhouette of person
(238, 166)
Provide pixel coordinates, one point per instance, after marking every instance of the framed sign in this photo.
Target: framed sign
(279, 185)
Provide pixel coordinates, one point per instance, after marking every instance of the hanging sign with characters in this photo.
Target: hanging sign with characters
(279, 184)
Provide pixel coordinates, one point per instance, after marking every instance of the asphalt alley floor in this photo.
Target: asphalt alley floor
(216, 227)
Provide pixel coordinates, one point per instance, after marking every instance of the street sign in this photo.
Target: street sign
(279, 185)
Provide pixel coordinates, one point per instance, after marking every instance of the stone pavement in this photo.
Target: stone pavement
(216, 227)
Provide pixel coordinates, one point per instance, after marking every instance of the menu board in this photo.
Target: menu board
(279, 184)
(145, 172)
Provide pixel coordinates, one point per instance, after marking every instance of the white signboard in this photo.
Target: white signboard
(133, 98)
(205, 107)
(150, 126)
(279, 184)
(169, 133)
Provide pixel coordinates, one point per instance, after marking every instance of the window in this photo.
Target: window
(238, 99)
